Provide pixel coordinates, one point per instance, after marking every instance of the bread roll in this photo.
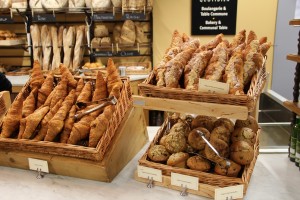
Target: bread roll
(198, 163)
(231, 171)
(241, 152)
(178, 159)
(221, 147)
(5, 4)
(175, 142)
(227, 123)
(158, 153)
(195, 140)
(220, 132)
(105, 41)
(101, 31)
(250, 122)
(244, 134)
(204, 121)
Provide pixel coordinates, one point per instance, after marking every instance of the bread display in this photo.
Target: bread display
(234, 146)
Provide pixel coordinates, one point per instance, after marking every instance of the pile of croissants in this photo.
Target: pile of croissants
(232, 62)
(47, 113)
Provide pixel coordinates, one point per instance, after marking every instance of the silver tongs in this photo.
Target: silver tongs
(213, 148)
(112, 100)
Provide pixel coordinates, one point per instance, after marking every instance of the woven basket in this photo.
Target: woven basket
(205, 178)
(148, 89)
(53, 148)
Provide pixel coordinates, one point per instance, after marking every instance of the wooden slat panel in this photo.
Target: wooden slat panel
(293, 57)
(292, 106)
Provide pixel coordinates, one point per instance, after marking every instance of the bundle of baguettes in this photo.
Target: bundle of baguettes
(233, 62)
(51, 42)
(47, 112)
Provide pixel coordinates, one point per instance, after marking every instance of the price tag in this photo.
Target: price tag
(5, 19)
(103, 17)
(128, 53)
(44, 18)
(213, 86)
(228, 193)
(102, 54)
(148, 173)
(180, 180)
(38, 165)
(134, 16)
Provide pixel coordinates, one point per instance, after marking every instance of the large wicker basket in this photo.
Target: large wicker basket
(53, 148)
(149, 89)
(205, 178)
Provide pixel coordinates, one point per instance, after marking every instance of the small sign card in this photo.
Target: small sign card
(38, 165)
(128, 53)
(103, 17)
(134, 16)
(44, 18)
(148, 173)
(180, 180)
(213, 86)
(228, 193)
(5, 19)
(102, 54)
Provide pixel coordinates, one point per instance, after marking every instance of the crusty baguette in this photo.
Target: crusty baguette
(46, 46)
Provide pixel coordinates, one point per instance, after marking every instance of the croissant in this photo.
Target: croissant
(71, 81)
(100, 88)
(191, 44)
(213, 43)
(263, 40)
(238, 39)
(22, 127)
(29, 103)
(45, 90)
(61, 91)
(69, 122)
(44, 125)
(79, 87)
(12, 119)
(251, 36)
(100, 125)
(49, 98)
(33, 120)
(195, 69)
(56, 124)
(177, 39)
(37, 77)
(185, 37)
(86, 93)
(116, 91)
(113, 77)
(265, 47)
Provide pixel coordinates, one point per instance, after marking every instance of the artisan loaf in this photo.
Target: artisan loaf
(50, 4)
(139, 31)
(35, 3)
(46, 46)
(128, 33)
(20, 4)
(117, 33)
(105, 41)
(101, 3)
(101, 31)
(79, 48)
(5, 4)
(117, 3)
(76, 3)
(134, 4)
(95, 42)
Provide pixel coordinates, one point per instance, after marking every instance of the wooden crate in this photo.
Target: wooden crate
(129, 138)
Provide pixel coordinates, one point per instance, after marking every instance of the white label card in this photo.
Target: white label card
(180, 180)
(38, 165)
(228, 193)
(148, 173)
(213, 86)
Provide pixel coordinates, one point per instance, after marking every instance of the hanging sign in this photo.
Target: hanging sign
(43, 18)
(5, 19)
(211, 17)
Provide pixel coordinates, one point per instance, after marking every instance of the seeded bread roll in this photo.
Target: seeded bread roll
(182, 127)
(175, 142)
(244, 134)
(227, 123)
(232, 171)
(250, 123)
(178, 159)
(222, 148)
(195, 140)
(222, 133)
(241, 152)
(198, 163)
(158, 153)
(162, 140)
(204, 121)
(101, 31)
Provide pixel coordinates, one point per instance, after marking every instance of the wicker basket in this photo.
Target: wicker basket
(148, 89)
(205, 178)
(53, 148)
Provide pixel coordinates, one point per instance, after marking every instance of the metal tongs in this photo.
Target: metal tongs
(112, 100)
(213, 148)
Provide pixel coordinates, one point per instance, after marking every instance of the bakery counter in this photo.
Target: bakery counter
(274, 177)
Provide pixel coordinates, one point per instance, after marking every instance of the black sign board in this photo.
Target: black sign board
(134, 16)
(5, 19)
(103, 17)
(43, 18)
(211, 17)
(102, 54)
(128, 53)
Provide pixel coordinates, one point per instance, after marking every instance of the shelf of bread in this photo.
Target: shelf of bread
(183, 106)
(210, 152)
(293, 57)
(294, 22)
(292, 106)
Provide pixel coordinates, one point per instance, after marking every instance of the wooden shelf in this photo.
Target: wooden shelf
(292, 106)
(193, 107)
(295, 22)
(293, 57)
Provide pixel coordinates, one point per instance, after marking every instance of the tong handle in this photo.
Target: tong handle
(80, 115)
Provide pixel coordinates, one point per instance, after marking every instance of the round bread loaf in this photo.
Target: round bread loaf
(250, 123)
(181, 127)
(245, 134)
(222, 148)
(158, 153)
(204, 121)
(227, 123)
(198, 163)
(232, 171)
(101, 31)
(195, 140)
(162, 140)
(178, 159)
(222, 133)
(241, 152)
(175, 142)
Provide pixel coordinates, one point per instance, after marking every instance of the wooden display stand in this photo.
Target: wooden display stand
(127, 142)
